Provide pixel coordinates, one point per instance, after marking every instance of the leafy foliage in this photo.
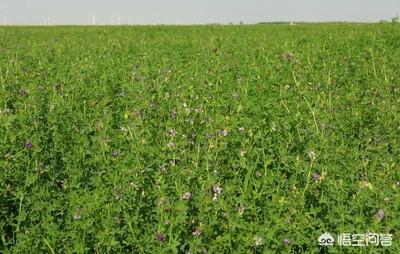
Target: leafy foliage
(198, 139)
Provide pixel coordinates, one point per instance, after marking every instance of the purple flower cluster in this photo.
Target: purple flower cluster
(217, 192)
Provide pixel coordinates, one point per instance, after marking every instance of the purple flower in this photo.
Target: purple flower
(286, 241)
(28, 144)
(316, 176)
(160, 237)
(223, 132)
(217, 190)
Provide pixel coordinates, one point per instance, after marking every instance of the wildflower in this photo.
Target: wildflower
(172, 133)
(123, 129)
(223, 132)
(217, 192)
(160, 237)
(78, 214)
(312, 155)
(115, 153)
(380, 215)
(258, 241)
(187, 196)
(286, 242)
(23, 92)
(316, 177)
(241, 129)
(174, 114)
(28, 144)
(242, 152)
(197, 232)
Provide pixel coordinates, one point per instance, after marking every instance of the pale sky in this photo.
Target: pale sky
(193, 11)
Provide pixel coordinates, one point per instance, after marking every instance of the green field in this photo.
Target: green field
(198, 139)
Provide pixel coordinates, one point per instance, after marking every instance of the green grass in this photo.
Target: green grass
(198, 139)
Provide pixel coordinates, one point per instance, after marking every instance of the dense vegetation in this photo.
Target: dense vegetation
(198, 139)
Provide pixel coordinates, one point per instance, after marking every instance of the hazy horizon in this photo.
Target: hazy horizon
(60, 12)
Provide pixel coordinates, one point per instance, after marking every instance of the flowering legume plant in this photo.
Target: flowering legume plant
(198, 139)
